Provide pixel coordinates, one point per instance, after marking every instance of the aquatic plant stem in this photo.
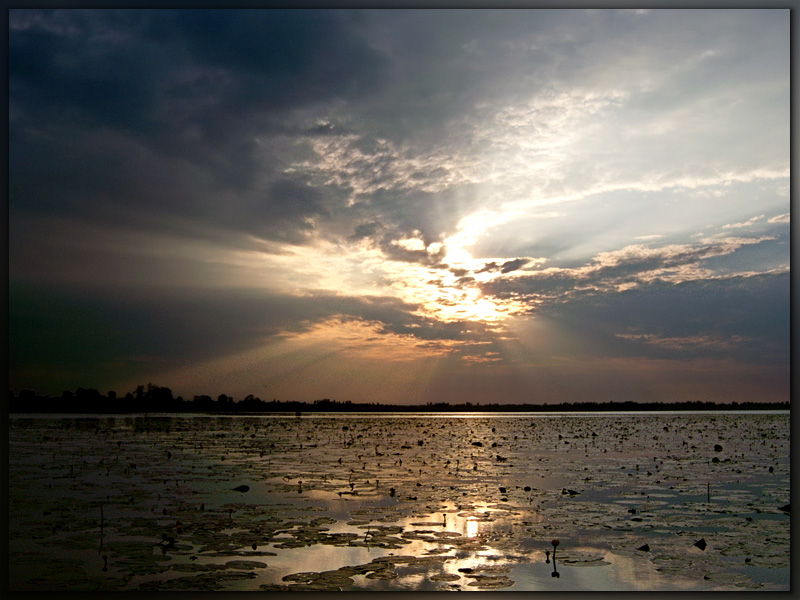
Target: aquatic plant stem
(102, 524)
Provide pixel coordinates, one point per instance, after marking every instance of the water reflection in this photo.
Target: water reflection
(555, 572)
(471, 528)
(318, 496)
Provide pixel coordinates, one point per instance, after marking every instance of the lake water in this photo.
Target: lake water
(422, 502)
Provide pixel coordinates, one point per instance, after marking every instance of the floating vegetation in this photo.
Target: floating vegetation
(327, 581)
(444, 577)
(398, 502)
(244, 564)
(491, 582)
(382, 574)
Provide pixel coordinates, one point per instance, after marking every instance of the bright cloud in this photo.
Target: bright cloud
(747, 223)
(784, 218)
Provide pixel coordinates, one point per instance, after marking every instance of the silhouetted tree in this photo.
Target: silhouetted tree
(251, 403)
(89, 400)
(203, 402)
(154, 398)
(27, 397)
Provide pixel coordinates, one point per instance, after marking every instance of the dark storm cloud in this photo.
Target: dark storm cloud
(163, 71)
(162, 109)
(66, 65)
(743, 318)
(282, 212)
(448, 60)
(190, 117)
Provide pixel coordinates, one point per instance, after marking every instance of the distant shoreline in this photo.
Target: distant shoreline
(155, 400)
(387, 413)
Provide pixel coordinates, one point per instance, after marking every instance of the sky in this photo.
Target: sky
(401, 206)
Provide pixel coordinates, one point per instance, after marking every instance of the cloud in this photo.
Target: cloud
(159, 109)
(618, 270)
(168, 95)
(747, 320)
(506, 267)
(747, 223)
(212, 70)
(365, 230)
(784, 218)
(211, 184)
(692, 342)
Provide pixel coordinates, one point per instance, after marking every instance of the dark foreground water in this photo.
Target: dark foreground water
(675, 501)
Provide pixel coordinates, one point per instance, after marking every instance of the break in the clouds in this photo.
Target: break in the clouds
(401, 205)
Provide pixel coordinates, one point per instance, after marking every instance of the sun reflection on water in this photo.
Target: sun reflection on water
(471, 528)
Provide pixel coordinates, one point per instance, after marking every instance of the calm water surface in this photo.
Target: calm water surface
(472, 501)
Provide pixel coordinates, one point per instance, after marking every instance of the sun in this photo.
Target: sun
(446, 286)
(441, 295)
(457, 304)
(451, 290)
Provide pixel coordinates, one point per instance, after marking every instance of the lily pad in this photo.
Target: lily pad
(445, 577)
(490, 582)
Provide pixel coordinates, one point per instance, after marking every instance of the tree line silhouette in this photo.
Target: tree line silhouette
(157, 399)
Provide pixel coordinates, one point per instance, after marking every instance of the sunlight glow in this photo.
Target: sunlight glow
(369, 340)
(339, 353)
(470, 229)
(439, 291)
(413, 244)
